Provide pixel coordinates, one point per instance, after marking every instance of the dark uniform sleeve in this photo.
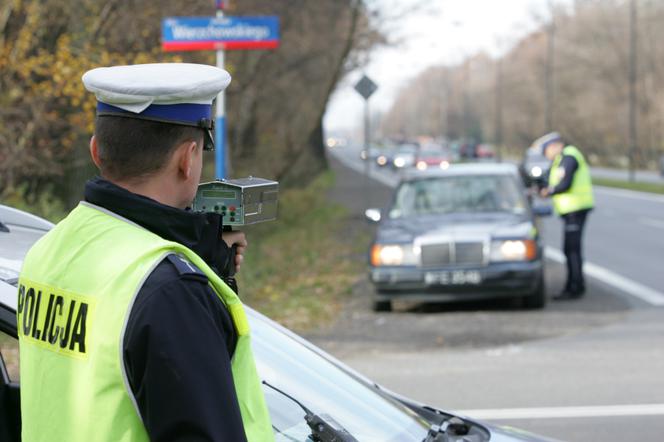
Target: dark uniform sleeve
(569, 164)
(177, 353)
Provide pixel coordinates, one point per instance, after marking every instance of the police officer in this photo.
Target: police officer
(126, 330)
(570, 188)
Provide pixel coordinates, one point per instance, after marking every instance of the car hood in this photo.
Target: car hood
(456, 227)
(505, 433)
(16, 244)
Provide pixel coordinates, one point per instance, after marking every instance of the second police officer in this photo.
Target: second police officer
(570, 189)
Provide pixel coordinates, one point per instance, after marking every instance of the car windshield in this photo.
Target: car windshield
(458, 194)
(407, 148)
(431, 153)
(325, 389)
(535, 155)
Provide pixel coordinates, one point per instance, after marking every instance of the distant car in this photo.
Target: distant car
(384, 158)
(336, 142)
(468, 149)
(436, 158)
(404, 156)
(467, 232)
(371, 154)
(534, 168)
(296, 374)
(485, 152)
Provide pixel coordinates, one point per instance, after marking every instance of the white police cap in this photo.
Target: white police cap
(542, 142)
(176, 93)
(135, 87)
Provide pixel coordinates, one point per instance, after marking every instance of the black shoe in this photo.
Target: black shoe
(568, 294)
(577, 293)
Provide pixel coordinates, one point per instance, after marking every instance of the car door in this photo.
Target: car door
(10, 409)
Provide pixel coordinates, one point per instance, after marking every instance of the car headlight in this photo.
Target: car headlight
(399, 162)
(381, 160)
(393, 255)
(514, 250)
(421, 165)
(536, 171)
(444, 165)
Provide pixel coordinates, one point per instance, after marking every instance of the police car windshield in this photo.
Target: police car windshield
(458, 194)
(326, 389)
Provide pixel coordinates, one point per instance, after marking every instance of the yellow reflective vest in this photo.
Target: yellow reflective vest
(580, 194)
(76, 290)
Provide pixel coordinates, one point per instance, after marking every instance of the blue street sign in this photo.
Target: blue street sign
(206, 33)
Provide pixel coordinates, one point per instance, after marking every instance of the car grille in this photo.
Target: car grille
(448, 254)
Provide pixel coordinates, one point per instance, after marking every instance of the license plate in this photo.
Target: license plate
(455, 277)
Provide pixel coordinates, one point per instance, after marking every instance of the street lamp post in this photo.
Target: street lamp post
(632, 89)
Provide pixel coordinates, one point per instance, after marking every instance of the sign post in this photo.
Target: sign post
(220, 33)
(366, 87)
(220, 120)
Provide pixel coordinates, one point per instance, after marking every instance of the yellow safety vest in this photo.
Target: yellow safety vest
(76, 290)
(580, 194)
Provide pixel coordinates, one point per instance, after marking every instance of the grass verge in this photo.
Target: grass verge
(629, 185)
(299, 269)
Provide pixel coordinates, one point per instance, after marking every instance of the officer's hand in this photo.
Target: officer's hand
(238, 239)
(544, 192)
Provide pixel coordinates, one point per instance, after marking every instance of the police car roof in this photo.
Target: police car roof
(24, 230)
(463, 169)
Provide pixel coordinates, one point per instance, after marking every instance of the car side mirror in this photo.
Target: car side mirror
(373, 215)
(542, 210)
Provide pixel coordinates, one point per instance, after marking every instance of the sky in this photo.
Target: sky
(435, 32)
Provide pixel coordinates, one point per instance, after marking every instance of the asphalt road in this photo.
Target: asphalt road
(646, 176)
(580, 371)
(625, 234)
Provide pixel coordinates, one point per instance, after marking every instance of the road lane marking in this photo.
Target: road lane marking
(638, 290)
(652, 222)
(630, 194)
(566, 412)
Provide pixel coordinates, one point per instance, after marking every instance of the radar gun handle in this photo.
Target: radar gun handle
(228, 272)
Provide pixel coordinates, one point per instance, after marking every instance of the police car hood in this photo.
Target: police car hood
(455, 226)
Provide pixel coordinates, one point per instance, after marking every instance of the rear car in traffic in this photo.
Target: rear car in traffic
(534, 168)
(436, 158)
(467, 232)
(404, 156)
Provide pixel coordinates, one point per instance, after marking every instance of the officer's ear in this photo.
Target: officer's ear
(94, 152)
(186, 154)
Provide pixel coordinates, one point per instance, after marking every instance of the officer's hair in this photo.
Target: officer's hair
(131, 148)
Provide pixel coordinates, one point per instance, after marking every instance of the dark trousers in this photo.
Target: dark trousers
(573, 232)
